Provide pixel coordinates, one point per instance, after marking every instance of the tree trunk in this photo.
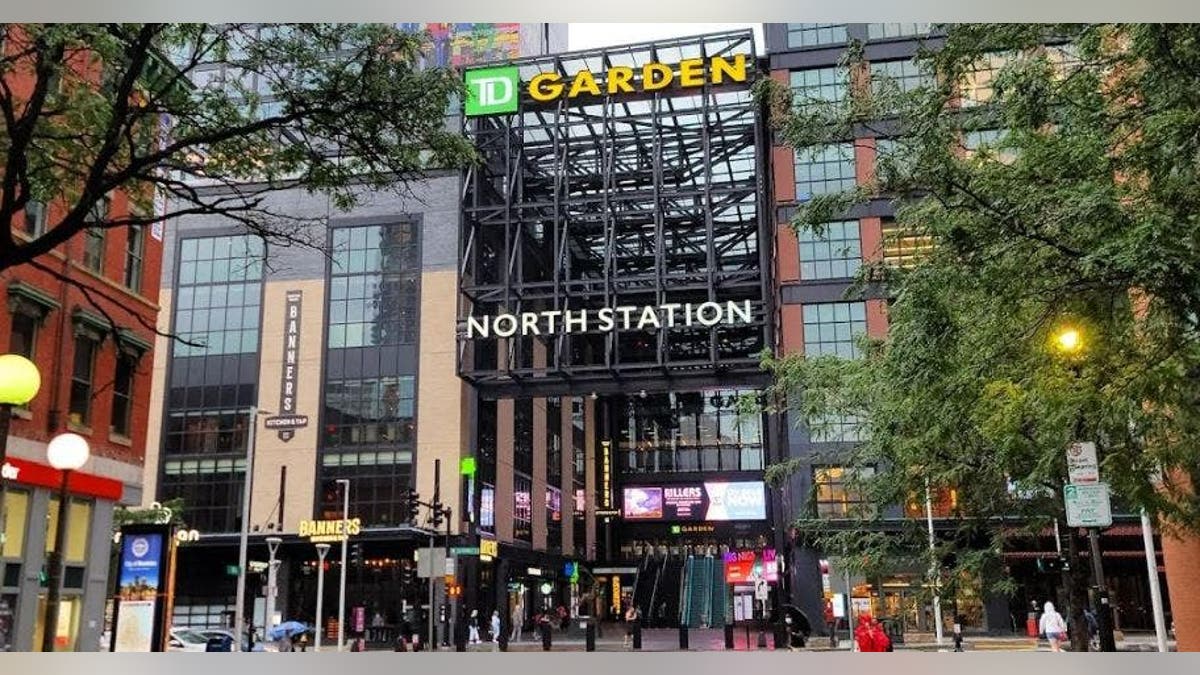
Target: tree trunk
(1076, 579)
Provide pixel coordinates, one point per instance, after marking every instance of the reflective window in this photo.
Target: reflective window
(522, 508)
(16, 511)
(23, 339)
(523, 435)
(824, 169)
(815, 34)
(211, 490)
(904, 246)
(834, 253)
(978, 86)
(888, 77)
(820, 85)
(377, 484)
(836, 429)
(135, 246)
(35, 218)
(82, 373)
(887, 31)
(368, 412)
(374, 286)
(691, 431)
(837, 490)
(554, 527)
(122, 400)
(219, 296)
(833, 328)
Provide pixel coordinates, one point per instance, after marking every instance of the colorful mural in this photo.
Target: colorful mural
(460, 44)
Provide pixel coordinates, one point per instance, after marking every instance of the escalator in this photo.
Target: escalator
(699, 592)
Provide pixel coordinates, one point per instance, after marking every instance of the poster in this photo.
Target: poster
(464, 44)
(139, 582)
(487, 507)
(713, 502)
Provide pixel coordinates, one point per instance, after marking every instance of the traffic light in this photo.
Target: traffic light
(408, 574)
(436, 516)
(454, 590)
(412, 505)
(1049, 565)
(356, 554)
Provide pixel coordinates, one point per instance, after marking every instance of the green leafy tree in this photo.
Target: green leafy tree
(88, 109)
(1061, 192)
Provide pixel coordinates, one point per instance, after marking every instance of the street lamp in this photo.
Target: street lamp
(67, 453)
(239, 612)
(19, 383)
(1069, 342)
(345, 483)
(322, 550)
(272, 582)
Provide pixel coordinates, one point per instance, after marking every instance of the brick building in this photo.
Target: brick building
(82, 316)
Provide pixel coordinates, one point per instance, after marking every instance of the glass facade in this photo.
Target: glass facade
(838, 491)
(889, 31)
(369, 428)
(903, 76)
(820, 85)
(690, 432)
(815, 34)
(213, 381)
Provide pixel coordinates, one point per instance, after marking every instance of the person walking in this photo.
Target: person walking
(518, 621)
(870, 636)
(474, 627)
(1053, 626)
(496, 626)
(632, 615)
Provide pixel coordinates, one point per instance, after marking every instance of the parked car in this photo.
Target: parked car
(186, 640)
(224, 632)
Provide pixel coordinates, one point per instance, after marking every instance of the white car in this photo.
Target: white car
(186, 640)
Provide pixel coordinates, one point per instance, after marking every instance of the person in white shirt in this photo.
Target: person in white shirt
(1053, 626)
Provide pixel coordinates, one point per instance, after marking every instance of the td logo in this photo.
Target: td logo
(491, 91)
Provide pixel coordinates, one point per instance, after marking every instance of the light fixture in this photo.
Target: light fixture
(19, 380)
(594, 396)
(68, 452)
(642, 393)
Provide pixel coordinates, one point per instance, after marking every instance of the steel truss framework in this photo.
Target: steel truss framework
(628, 199)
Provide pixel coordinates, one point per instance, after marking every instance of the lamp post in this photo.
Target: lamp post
(19, 383)
(272, 582)
(1070, 343)
(345, 483)
(322, 550)
(239, 618)
(67, 453)
(933, 566)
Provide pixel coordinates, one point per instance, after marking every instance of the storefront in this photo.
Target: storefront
(31, 507)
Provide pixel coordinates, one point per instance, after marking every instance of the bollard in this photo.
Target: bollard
(683, 637)
(637, 636)
(590, 636)
(728, 636)
(545, 637)
(781, 638)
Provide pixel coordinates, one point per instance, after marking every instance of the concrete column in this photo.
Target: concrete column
(504, 469)
(96, 588)
(26, 615)
(538, 498)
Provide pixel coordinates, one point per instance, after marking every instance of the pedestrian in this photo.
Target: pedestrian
(564, 618)
(518, 621)
(474, 626)
(869, 635)
(830, 622)
(631, 618)
(496, 626)
(1053, 626)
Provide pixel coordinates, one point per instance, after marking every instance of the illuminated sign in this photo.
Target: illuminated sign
(713, 502)
(487, 507)
(608, 319)
(606, 474)
(288, 421)
(318, 531)
(495, 90)
(616, 592)
(741, 566)
(488, 548)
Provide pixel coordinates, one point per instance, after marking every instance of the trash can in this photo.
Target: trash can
(219, 643)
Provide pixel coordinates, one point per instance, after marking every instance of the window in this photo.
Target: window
(523, 435)
(206, 432)
(35, 218)
(211, 489)
(135, 247)
(690, 432)
(835, 253)
(122, 403)
(838, 490)
(377, 483)
(815, 34)
(82, 373)
(890, 77)
(888, 31)
(824, 169)
(904, 246)
(895, 154)
(978, 86)
(819, 85)
(833, 328)
(989, 144)
(219, 295)
(94, 237)
(836, 429)
(943, 503)
(370, 412)
(554, 525)
(554, 445)
(24, 334)
(374, 286)
(522, 508)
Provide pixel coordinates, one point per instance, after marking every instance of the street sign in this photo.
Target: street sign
(1082, 465)
(450, 567)
(1087, 505)
(430, 562)
(465, 550)
(761, 590)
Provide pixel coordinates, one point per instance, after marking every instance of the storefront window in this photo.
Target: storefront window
(79, 519)
(16, 512)
(67, 632)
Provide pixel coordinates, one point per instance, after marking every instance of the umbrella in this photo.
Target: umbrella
(287, 629)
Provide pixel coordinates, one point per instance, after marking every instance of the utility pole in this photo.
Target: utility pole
(239, 618)
(341, 638)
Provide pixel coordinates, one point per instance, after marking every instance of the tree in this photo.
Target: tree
(211, 119)
(1061, 193)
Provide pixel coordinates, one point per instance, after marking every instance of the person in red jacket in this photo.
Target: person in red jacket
(869, 635)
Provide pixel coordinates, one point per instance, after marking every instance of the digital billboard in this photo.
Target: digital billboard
(712, 501)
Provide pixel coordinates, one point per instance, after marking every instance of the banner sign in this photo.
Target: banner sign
(142, 579)
(715, 501)
(287, 420)
(318, 531)
(744, 566)
(609, 319)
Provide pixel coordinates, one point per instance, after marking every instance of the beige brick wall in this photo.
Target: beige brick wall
(539, 474)
(441, 433)
(158, 397)
(299, 454)
(504, 470)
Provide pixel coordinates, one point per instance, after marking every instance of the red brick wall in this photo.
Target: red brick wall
(54, 347)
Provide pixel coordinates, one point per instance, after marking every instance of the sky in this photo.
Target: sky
(589, 35)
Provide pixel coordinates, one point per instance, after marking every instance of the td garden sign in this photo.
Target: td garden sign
(496, 91)
(608, 319)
